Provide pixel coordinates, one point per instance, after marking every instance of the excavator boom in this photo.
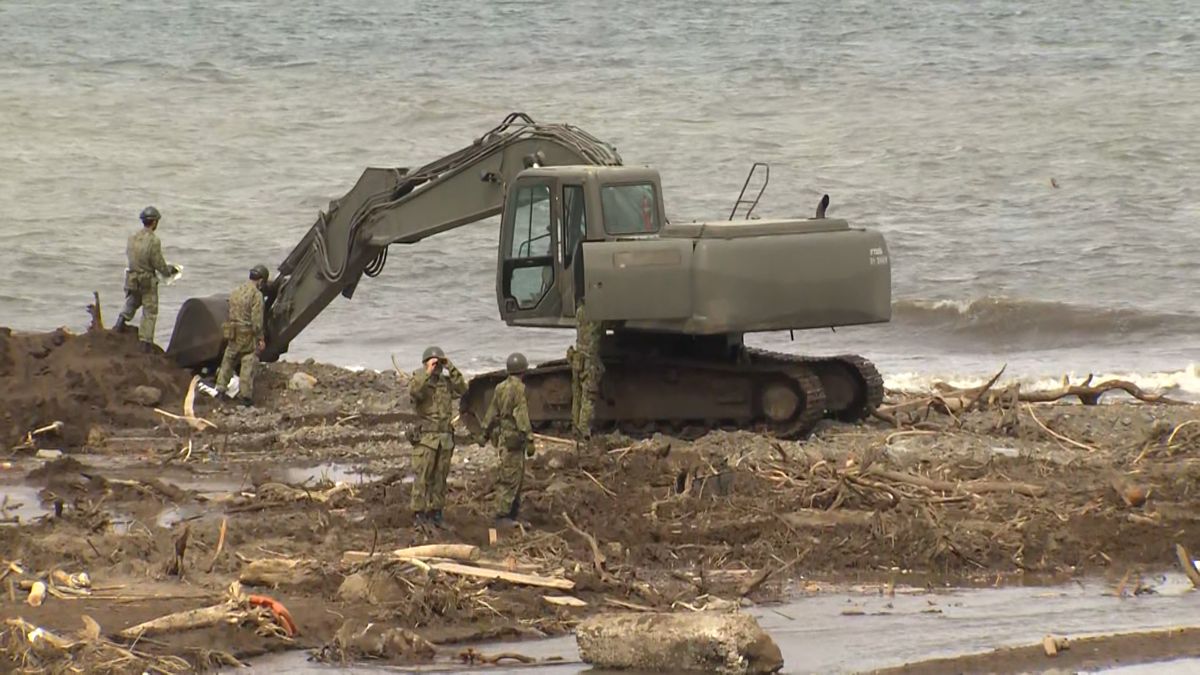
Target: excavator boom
(387, 206)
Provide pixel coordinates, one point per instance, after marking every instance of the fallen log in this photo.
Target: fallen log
(732, 644)
(202, 617)
(815, 518)
(275, 572)
(511, 577)
(975, 486)
(465, 552)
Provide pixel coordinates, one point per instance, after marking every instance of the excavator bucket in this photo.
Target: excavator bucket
(197, 340)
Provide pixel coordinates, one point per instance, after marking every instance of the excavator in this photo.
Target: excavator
(675, 299)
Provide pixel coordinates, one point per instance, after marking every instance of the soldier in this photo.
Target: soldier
(145, 258)
(432, 389)
(245, 335)
(586, 370)
(506, 424)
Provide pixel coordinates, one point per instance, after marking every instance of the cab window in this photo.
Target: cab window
(629, 209)
(531, 222)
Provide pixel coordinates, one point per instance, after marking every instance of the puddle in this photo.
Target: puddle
(218, 483)
(22, 502)
(331, 472)
(817, 636)
(173, 515)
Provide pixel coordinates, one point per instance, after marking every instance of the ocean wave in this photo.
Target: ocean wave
(1013, 320)
(1182, 384)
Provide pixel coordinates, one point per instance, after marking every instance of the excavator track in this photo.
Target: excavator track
(782, 394)
(853, 386)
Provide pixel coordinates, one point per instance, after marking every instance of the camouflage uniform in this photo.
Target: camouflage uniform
(586, 371)
(145, 256)
(507, 425)
(243, 331)
(432, 398)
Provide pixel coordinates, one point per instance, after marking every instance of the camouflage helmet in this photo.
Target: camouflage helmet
(259, 272)
(516, 364)
(149, 213)
(431, 352)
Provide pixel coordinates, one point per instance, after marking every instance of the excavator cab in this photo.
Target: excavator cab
(549, 213)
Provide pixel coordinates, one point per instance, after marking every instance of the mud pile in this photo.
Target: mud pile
(82, 381)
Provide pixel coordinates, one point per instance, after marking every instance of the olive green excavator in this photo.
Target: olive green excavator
(675, 299)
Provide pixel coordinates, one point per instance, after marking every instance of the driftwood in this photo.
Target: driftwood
(973, 486)
(220, 545)
(189, 410)
(276, 572)
(278, 492)
(814, 518)
(1089, 394)
(55, 653)
(564, 601)
(202, 617)
(956, 401)
(175, 565)
(511, 577)
(598, 558)
(463, 552)
(97, 323)
(554, 439)
(1189, 567)
(472, 657)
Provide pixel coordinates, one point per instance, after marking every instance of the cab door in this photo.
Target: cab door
(526, 286)
(572, 233)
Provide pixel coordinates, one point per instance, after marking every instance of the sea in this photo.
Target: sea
(1033, 166)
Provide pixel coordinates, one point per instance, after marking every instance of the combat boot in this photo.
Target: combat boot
(246, 402)
(119, 326)
(147, 347)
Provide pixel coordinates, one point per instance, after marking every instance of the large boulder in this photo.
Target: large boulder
(710, 642)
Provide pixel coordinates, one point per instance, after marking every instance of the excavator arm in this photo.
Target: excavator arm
(387, 206)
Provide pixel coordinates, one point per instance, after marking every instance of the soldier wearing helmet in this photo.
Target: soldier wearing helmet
(245, 336)
(506, 425)
(145, 264)
(433, 388)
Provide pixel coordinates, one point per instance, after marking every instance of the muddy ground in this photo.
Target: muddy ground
(995, 495)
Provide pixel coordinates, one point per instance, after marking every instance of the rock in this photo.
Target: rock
(732, 644)
(358, 639)
(46, 453)
(355, 589)
(144, 395)
(302, 381)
